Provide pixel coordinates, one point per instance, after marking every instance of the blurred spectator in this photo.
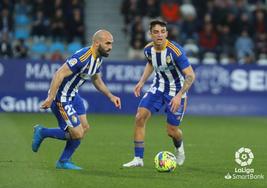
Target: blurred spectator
(170, 11)
(7, 4)
(40, 25)
(260, 21)
(58, 26)
(187, 9)
(244, 47)
(244, 23)
(189, 28)
(138, 39)
(22, 7)
(136, 50)
(57, 56)
(6, 21)
(5, 46)
(174, 34)
(226, 40)
(20, 49)
(42, 5)
(261, 43)
(150, 8)
(208, 39)
(76, 27)
(129, 10)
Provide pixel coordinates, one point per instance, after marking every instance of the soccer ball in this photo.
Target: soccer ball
(165, 161)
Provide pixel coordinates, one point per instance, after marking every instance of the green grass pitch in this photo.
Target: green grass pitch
(210, 144)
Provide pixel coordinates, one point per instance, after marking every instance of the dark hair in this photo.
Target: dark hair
(157, 22)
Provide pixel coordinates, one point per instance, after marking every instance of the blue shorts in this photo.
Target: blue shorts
(67, 113)
(155, 101)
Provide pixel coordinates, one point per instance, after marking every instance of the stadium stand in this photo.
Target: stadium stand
(222, 31)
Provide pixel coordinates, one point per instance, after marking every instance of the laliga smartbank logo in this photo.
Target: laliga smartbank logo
(244, 158)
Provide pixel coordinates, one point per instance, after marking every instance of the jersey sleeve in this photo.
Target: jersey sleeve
(181, 60)
(74, 64)
(148, 57)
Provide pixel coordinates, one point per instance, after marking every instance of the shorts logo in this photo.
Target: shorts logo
(244, 156)
(72, 61)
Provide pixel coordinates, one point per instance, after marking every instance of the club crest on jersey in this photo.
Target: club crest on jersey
(74, 119)
(72, 61)
(168, 59)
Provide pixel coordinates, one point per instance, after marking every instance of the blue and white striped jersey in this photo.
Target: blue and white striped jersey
(168, 65)
(83, 64)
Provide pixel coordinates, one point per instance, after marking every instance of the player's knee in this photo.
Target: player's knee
(75, 135)
(86, 128)
(141, 118)
(172, 131)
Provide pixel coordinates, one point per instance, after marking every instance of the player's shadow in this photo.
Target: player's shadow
(147, 173)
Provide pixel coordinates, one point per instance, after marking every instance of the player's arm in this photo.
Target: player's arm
(101, 86)
(147, 72)
(58, 77)
(189, 79)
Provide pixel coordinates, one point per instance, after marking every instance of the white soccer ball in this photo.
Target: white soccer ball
(165, 161)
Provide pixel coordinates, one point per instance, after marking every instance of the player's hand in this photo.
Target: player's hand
(175, 103)
(116, 100)
(138, 88)
(47, 103)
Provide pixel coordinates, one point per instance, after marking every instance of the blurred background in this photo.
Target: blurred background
(225, 41)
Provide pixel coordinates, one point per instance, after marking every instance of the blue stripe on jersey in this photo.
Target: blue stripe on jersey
(174, 72)
(166, 80)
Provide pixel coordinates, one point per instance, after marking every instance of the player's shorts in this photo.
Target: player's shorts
(67, 113)
(156, 100)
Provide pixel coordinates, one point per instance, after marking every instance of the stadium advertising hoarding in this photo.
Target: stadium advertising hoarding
(218, 90)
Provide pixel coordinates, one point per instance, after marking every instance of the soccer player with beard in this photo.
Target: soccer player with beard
(65, 102)
(173, 78)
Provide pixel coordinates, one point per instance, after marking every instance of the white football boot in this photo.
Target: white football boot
(180, 155)
(136, 162)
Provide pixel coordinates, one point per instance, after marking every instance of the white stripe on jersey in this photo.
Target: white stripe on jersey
(168, 74)
(91, 65)
(155, 65)
(67, 86)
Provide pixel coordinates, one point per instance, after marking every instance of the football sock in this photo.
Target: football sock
(139, 149)
(177, 143)
(69, 149)
(55, 133)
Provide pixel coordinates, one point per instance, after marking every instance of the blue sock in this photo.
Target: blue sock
(69, 149)
(55, 133)
(139, 149)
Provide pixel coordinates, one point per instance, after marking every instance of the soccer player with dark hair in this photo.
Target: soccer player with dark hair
(173, 78)
(65, 102)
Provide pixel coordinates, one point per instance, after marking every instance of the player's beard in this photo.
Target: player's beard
(103, 52)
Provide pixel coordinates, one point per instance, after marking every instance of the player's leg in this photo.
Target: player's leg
(177, 137)
(173, 121)
(79, 107)
(150, 103)
(76, 134)
(40, 132)
(141, 118)
(64, 162)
